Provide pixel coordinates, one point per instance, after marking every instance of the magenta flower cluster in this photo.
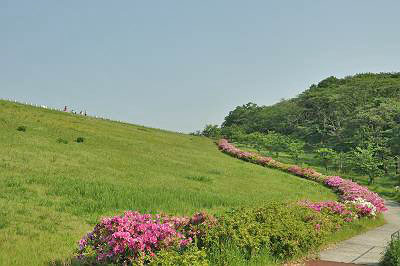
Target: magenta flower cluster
(344, 211)
(351, 191)
(230, 149)
(135, 237)
(224, 145)
(308, 173)
(333, 206)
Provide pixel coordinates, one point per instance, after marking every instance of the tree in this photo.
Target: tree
(295, 149)
(341, 161)
(394, 144)
(211, 131)
(275, 142)
(366, 163)
(234, 133)
(326, 156)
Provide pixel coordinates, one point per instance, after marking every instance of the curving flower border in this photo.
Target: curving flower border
(367, 202)
(135, 238)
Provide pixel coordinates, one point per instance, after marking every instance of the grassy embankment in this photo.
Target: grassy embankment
(52, 193)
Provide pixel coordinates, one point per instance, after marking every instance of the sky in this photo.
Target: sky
(179, 65)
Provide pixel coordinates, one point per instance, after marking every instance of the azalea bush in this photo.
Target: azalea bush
(348, 190)
(136, 238)
(307, 173)
(344, 212)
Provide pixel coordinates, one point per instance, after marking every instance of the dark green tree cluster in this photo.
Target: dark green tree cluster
(353, 114)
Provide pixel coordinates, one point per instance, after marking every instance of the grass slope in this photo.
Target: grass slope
(52, 193)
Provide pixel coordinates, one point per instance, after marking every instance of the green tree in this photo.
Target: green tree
(341, 161)
(211, 131)
(366, 163)
(295, 149)
(326, 156)
(275, 142)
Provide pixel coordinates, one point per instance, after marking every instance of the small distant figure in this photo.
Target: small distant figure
(65, 108)
(85, 113)
(72, 110)
(80, 112)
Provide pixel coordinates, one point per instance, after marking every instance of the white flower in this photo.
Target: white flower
(363, 203)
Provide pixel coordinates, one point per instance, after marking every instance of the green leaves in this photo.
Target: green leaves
(283, 231)
(326, 155)
(366, 163)
(339, 113)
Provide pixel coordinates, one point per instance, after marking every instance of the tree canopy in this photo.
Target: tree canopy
(338, 113)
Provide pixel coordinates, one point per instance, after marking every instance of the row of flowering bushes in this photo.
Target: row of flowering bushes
(276, 231)
(366, 201)
(280, 231)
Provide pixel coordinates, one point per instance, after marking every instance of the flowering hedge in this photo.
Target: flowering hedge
(366, 201)
(351, 191)
(135, 238)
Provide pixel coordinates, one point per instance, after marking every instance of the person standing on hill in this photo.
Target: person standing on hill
(65, 108)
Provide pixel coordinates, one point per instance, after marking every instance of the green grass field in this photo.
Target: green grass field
(52, 193)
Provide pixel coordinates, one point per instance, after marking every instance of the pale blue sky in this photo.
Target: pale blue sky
(181, 64)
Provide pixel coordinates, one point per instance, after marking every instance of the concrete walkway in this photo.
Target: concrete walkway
(367, 248)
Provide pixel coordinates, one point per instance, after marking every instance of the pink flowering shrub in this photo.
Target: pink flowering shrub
(307, 173)
(351, 191)
(230, 149)
(137, 238)
(345, 212)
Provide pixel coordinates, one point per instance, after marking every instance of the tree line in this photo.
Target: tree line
(356, 115)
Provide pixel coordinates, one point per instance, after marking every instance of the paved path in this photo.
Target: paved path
(367, 248)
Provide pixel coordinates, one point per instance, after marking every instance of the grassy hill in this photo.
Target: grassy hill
(51, 193)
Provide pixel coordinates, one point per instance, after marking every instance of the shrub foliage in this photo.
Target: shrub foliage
(21, 128)
(391, 257)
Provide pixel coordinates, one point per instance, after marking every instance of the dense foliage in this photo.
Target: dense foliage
(342, 114)
(391, 257)
(278, 230)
